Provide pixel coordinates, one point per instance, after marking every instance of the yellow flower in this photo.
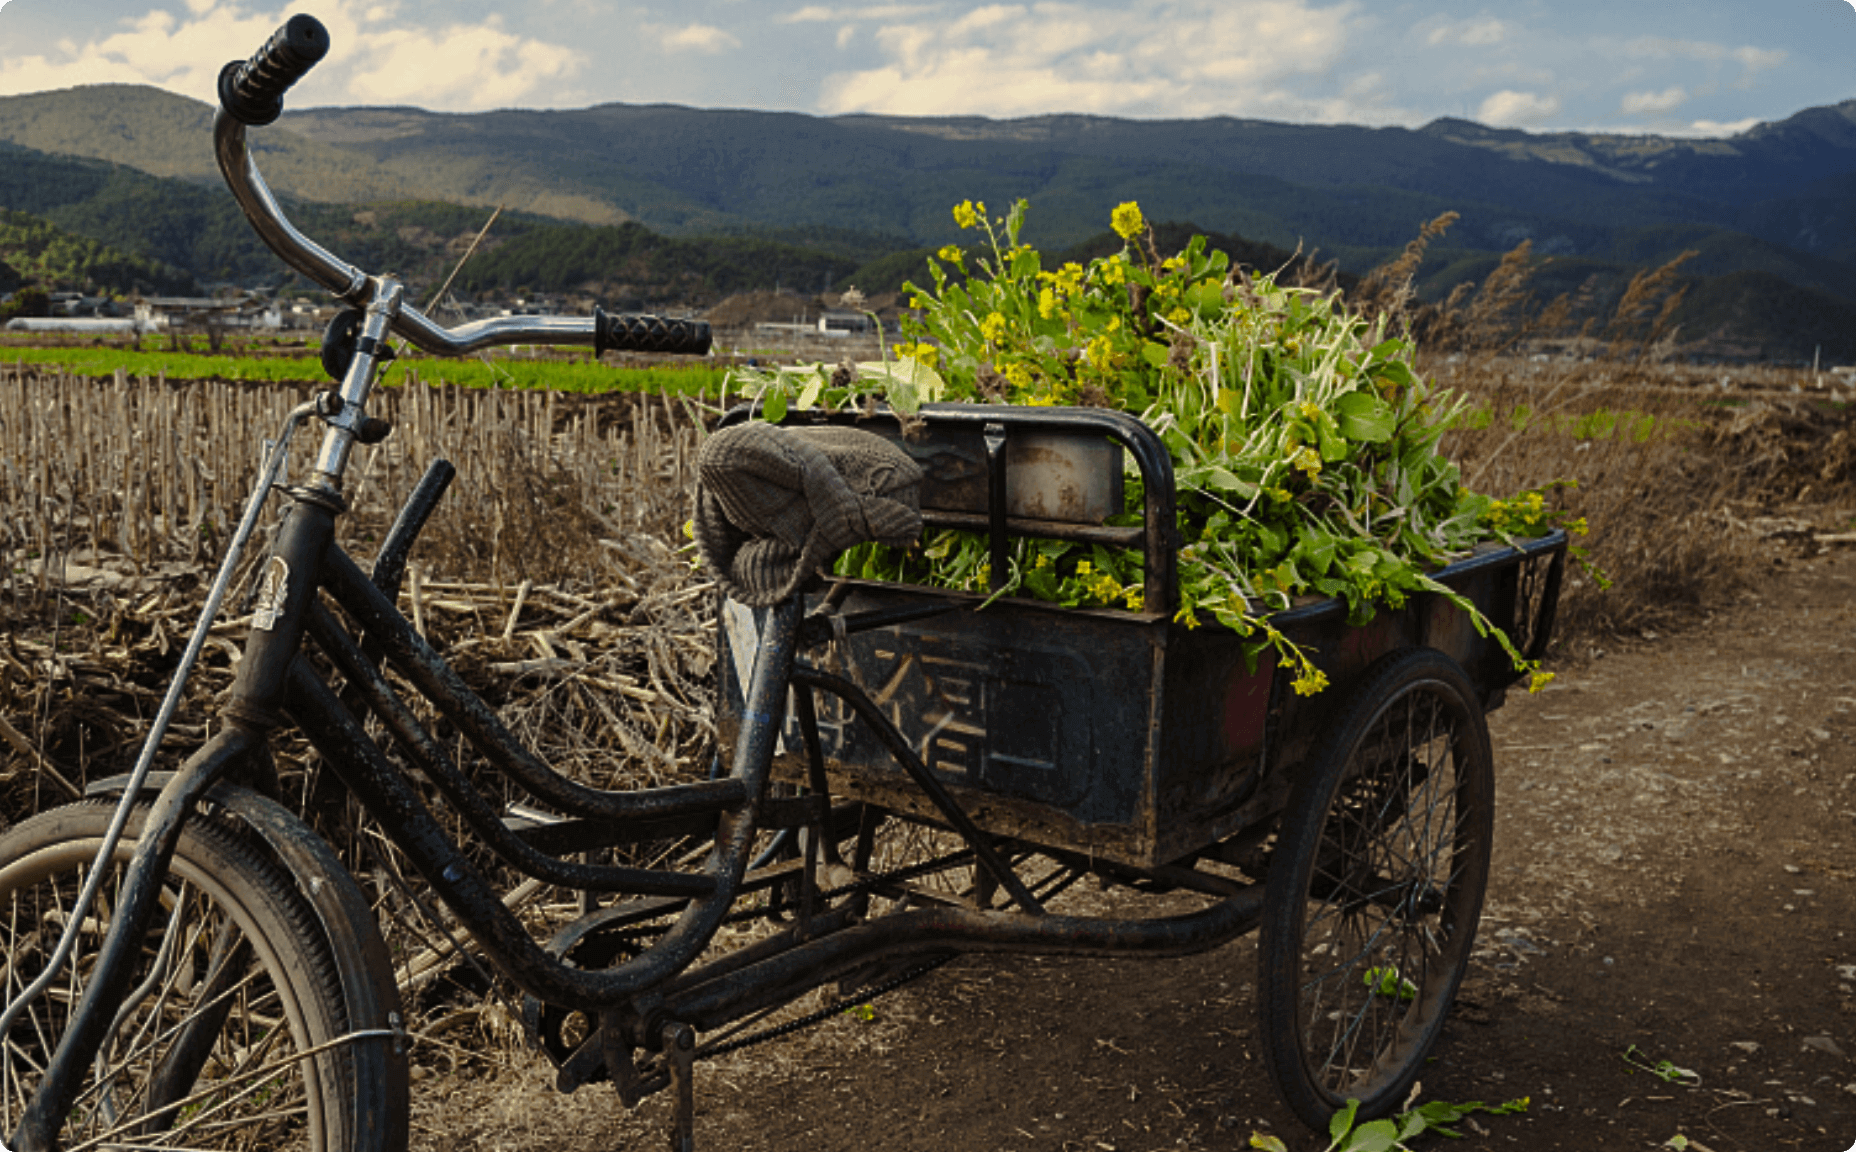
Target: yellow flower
(1126, 220)
(1112, 271)
(964, 215)
(1133, 596)
(1178, 316)
(1047, 302)
(924, 354)
(1019, 374)
(1309, 461)
(1084, 567)
(992, 329)
(1311, 681)
(1540, 680)
(1186, 616)
(1100, 352)
(952, 254)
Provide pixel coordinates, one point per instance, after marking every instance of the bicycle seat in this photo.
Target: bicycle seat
(776, 505)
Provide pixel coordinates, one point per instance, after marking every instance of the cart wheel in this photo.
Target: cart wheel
(1371, 908)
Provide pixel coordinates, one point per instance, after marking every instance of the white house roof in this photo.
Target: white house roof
(69, 324)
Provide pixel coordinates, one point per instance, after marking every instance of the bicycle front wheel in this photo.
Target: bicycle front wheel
(234, 1033)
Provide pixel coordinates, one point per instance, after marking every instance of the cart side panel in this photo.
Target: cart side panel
(1039, 719)
(1129, 736)
(1229, 730)
(1233, 737)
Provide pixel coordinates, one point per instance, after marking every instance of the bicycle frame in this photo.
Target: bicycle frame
(652, 1000)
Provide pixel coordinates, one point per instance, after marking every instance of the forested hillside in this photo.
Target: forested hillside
(35, 250)
(685, 205)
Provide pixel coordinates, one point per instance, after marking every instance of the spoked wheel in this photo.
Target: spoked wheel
(234, 1032)
(926, 865)
(1376, 889)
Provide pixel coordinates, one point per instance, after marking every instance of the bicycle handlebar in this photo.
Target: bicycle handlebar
(251, 93)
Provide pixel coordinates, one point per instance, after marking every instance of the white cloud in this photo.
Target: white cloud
(1755, 60)
(705, 38)
(845, 35)
(463, 66)
(377, 58)
(1717, 128)
(1511, 109)
(1150, 57)
(821, 14)
(1667, 100)
(1469, 33)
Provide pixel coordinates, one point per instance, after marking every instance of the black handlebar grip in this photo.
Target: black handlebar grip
(252, 91)
(635, 332)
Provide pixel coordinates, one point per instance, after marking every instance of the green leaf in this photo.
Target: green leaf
(1410, 1124)
(1365, 417)
(773, 405)
(907, 384)
(808, 395)
(1378, 1136)
(1317, 550)
(1015, 219)
(1224, 480)
(1333, 447)
(1342, 1121)
(1267, 1143)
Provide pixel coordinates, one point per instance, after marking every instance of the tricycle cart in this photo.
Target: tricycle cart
(1353, 827)
(907, 775)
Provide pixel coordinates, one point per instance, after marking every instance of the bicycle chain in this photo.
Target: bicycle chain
(869, 884)
(863, 995)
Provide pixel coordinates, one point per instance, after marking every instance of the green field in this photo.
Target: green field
(575, 375)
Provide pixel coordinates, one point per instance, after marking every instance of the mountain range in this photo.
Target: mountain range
(813, 200)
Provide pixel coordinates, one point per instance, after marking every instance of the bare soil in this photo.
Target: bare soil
(1674, 882)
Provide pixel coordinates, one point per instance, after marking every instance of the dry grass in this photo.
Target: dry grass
(1672, 467)
(549, 571)
(1638, 466)
(550, 576)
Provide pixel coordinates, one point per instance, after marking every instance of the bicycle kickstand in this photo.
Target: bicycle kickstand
(680, 1055)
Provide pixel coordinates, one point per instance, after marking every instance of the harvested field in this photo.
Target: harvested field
(552, 576)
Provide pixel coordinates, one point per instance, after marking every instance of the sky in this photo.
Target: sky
(1704, 68)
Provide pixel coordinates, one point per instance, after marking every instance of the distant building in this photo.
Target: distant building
(842, 322)
(86, 324)
(78, 304)
(157, 313)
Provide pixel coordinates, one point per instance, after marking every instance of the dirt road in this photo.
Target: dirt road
(1675, 886)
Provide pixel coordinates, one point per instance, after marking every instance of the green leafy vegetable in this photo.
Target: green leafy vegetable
(1304, 444)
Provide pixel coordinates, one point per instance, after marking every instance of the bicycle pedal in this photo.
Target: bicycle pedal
(585, 1065)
